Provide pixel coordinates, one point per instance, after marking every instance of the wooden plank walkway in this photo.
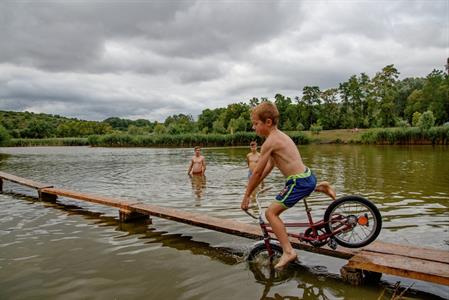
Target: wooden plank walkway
(401, 260)
(419, 263)
(23, 181)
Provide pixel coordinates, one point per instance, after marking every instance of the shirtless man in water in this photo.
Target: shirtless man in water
(252, 158)
(279, 150)
(198, 163)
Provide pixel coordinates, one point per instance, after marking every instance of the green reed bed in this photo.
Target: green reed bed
(47, 142)
(183, 140)
(407, 136)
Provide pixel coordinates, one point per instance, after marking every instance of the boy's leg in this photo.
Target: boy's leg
(325, 187)
(289, 254)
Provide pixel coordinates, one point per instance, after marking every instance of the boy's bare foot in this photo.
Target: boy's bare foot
(326, 188)
(285, 260)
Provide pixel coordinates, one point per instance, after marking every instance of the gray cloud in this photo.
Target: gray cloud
(92, 59)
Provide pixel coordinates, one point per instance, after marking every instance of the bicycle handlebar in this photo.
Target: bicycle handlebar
(257, 202)
(250, 214)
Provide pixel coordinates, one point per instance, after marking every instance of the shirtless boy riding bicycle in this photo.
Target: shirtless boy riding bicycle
(279, 150)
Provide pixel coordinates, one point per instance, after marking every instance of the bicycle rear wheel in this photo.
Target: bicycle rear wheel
(354, 221)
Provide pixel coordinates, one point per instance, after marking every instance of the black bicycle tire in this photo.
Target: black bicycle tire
(261, 247)
(366, 202)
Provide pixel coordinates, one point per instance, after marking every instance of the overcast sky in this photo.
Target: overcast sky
(152, 59)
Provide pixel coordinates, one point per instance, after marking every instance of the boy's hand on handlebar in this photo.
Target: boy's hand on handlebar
(245, 203)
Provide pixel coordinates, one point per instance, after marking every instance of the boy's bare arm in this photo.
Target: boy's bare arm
(204, 164)
(268, 168)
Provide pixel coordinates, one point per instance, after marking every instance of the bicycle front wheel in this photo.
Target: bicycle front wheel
(261, 262)
(260, 252)
(353, 220)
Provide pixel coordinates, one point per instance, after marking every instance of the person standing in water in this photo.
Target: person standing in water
(252, 158)
(197, 164)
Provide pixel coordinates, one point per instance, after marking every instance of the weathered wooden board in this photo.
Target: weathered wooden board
(404, 266)
(426, 253)
(23, 181)
(119, 203)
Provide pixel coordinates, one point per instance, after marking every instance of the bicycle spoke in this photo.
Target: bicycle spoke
(360, 238)
(358, 233)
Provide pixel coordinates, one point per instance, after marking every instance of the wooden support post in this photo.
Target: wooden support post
(47, 197)
(131, 216)
(357, 276)
(351, 275)
(371, 277)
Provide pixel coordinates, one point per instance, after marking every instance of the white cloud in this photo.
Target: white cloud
(94, 60)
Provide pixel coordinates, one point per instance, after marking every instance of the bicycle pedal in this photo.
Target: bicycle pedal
(332, 244)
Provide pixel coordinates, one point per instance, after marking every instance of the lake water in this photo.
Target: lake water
(77, 250)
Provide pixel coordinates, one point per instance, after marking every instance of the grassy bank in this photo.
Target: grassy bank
(47, 142)
(183, 140)
(407, 136)
(390, 136)
(336, 136)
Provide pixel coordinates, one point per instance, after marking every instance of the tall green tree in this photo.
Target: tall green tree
(207, 118)
(330, 111)
(385, 91)
(311, 101)
(235, 111)
(180, 123)
(282, 104)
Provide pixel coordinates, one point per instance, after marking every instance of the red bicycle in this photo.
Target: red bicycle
(350, 221)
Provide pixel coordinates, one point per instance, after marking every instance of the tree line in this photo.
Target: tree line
(360, 102)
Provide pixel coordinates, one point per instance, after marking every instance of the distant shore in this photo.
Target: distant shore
(387, 136)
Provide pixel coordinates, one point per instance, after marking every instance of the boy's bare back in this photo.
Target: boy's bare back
(284, 153)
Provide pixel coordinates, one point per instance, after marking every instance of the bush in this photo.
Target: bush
(25, 142)
(402, 123)
(300, 127)
(415, 118)
(426, 121)
(316, 128)
(4, 136)
(411, 135)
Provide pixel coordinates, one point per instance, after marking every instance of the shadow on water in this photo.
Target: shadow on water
(311, 282)
(175, 241)
(316, 283)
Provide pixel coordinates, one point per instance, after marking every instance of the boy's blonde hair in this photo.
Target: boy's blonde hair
(266, 110)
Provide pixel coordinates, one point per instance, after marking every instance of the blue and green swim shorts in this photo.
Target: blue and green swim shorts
(296, 188)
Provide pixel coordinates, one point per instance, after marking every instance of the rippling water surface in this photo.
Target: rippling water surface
(76, 250)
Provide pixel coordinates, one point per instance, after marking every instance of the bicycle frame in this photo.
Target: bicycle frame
(314, 236)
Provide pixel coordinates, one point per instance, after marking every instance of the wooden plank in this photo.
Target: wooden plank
(425, 253)
(119, 203)
(195, 219)
(23, 181)
(200, 220)
(420, 269)
(230, 227)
